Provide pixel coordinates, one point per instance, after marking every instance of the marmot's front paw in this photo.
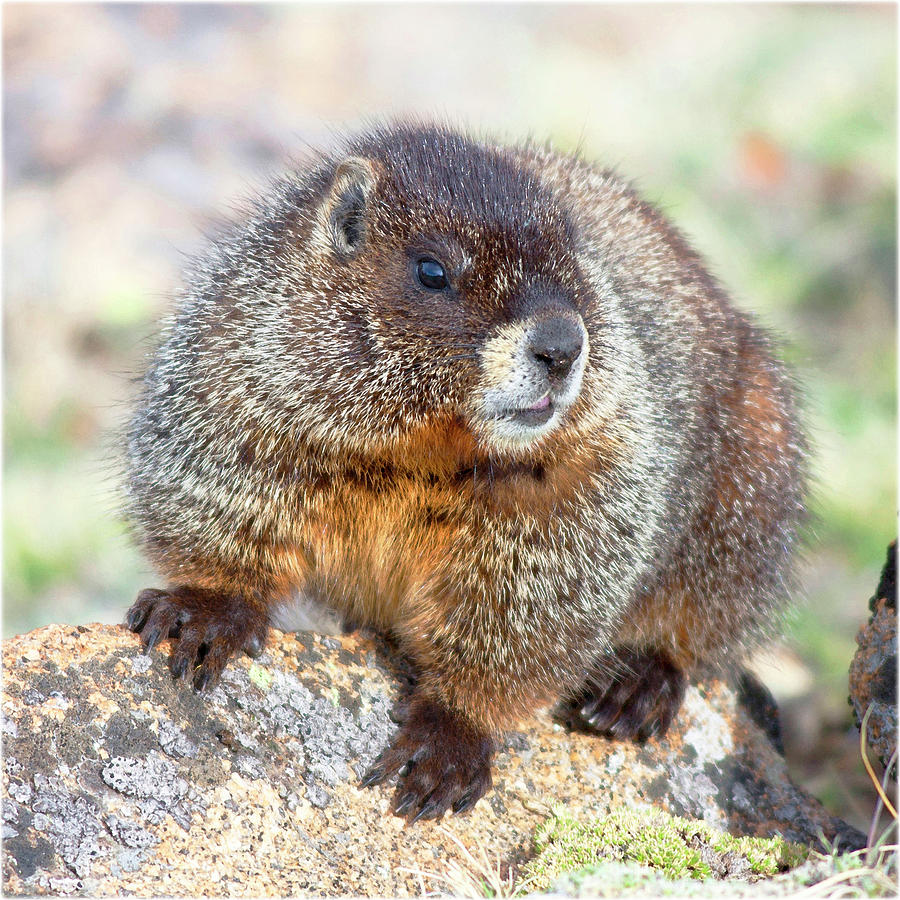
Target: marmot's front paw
(443, 763)
(208, 628)
(633, 695)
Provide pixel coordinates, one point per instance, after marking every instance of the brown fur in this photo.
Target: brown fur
(317, 418)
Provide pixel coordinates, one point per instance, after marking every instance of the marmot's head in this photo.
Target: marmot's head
(455, 278)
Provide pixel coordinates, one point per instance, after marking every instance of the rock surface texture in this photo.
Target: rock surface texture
(119, 781)
(873, 672)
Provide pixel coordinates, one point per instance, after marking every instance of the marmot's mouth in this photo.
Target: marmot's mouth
(537, 414)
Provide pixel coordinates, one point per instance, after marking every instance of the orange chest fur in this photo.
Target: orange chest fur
(372, 551)
(378, 547)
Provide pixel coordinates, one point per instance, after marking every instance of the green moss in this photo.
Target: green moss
(676, 848)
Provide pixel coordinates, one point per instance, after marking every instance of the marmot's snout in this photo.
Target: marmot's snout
(556, 344)
(532, 371)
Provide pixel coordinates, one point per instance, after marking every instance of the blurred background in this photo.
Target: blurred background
(767, 132)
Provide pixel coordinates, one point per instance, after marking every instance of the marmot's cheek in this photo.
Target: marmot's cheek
(503, 354)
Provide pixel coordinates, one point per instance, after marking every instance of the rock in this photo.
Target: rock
(118, 780)
(873, 672)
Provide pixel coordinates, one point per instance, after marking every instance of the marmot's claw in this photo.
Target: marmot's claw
(465, 803)
(432, 808)
(635, 698)
(205, 678)
(374, 776)
(208, 629)
(442, 762)
(141, 608)
(405, 804)
(179, 666)
(186, 652)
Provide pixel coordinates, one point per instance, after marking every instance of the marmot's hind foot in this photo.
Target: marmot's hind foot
(443, 763)
(633, 695)
(208, 628)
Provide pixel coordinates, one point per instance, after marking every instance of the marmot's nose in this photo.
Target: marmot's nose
(556, 343)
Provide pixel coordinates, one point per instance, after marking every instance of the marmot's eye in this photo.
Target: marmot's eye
(431, 274)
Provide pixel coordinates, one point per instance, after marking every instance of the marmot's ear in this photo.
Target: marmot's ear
(345, 209)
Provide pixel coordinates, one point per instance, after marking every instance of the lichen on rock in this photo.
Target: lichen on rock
(119, 780)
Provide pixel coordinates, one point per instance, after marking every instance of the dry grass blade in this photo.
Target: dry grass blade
(863, 727)
(477, 878)
(871, 871)
(824, 888)
(871, 841)
(473, 877)
(421, 875)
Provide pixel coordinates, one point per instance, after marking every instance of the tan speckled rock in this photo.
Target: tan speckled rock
(118, 781)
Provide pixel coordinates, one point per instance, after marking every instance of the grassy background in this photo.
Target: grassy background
(767, 132)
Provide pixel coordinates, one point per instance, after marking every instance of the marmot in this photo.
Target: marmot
(487, 400)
